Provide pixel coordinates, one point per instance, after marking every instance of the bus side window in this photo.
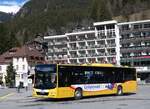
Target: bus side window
(129, 74)
(99, 77)
(89, 76)
(77, 78)
(64, 79)
(118, 75)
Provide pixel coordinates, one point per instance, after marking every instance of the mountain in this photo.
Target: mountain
(4, 17)
(51, 17)
(60, 16)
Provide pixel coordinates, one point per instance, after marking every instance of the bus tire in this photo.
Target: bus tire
(119, 90)
(78, 94)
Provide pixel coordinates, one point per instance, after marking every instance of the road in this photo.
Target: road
(6, 91)
(24, 100)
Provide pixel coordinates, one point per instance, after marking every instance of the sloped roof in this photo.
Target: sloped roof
(23, 51)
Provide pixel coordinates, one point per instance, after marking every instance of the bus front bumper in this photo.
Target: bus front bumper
(46, 93)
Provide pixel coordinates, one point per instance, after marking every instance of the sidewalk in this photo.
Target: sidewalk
(12, 94)
(15, 100)
(23, 94)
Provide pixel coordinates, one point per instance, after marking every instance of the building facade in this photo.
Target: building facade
(99, 45)
(3, 68)
(125, 43)
(57, 49)
(108, 33)
(23, 59)
(135, 46)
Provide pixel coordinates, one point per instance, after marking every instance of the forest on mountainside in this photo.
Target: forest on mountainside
(51, 17)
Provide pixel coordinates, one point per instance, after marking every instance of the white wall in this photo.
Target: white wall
(117, 44)
(21, 66)
(3, 71)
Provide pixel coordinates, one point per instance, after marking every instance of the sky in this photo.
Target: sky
(11, 6)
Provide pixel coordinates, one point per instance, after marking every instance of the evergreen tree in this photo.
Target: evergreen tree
(94, 10)
(10, 78)
(103, 12)
(26, 37)
(12, 41)
(100, 11)
(7, 39)
(3, 38)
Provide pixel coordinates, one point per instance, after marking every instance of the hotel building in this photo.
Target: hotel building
(57, 48)
(135, 46)
(125, 43)
(99, 45)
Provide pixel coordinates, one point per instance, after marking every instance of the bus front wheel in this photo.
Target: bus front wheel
(119, 91)
(78, 93)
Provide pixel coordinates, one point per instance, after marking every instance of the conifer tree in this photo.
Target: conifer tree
(11, 74)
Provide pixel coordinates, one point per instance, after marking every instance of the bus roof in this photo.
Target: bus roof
(99, 65)
(89, 64)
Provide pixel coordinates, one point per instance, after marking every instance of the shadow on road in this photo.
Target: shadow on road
(84, 98)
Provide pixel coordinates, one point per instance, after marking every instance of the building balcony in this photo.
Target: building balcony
(91, 46)
(60, 43)
(50, 43)
(60, 50)
(91, 37)
(134, 30)
(72, 39)
(101, 54)
(101, 46)
(110, 53)
(111, 45)
(143, 69)
(135, 49)
(73, 48)
(82, 61)
(82, 47)
(73, 61)
(92, 55)
(135, 59)
(82, 55)
(73, 56)
(101, 37)
(50, 50)
(133, 40)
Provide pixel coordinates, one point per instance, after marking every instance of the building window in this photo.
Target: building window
(37, 58)
(125, 27)
(31, 57)
(21, 76)
(42, 58)
(100, 27)
(17, 59)
(23, 59)
(137, 26)
(23, 67)
(147, 25)
(111, 26)
(17, 67)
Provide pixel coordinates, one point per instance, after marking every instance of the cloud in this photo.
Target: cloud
(10, 9)
(11, 6)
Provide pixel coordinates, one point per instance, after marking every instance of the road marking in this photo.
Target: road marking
(5, 96)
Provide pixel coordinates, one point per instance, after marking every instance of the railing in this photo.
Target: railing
(134, 49)
(134, 30)
(124, 41)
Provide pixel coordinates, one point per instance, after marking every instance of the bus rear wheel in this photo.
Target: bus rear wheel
(78, 94)
(119, 91)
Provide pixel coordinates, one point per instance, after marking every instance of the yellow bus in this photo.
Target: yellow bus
(65, 81)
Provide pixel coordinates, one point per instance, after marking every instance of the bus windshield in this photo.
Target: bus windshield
(45, 77)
